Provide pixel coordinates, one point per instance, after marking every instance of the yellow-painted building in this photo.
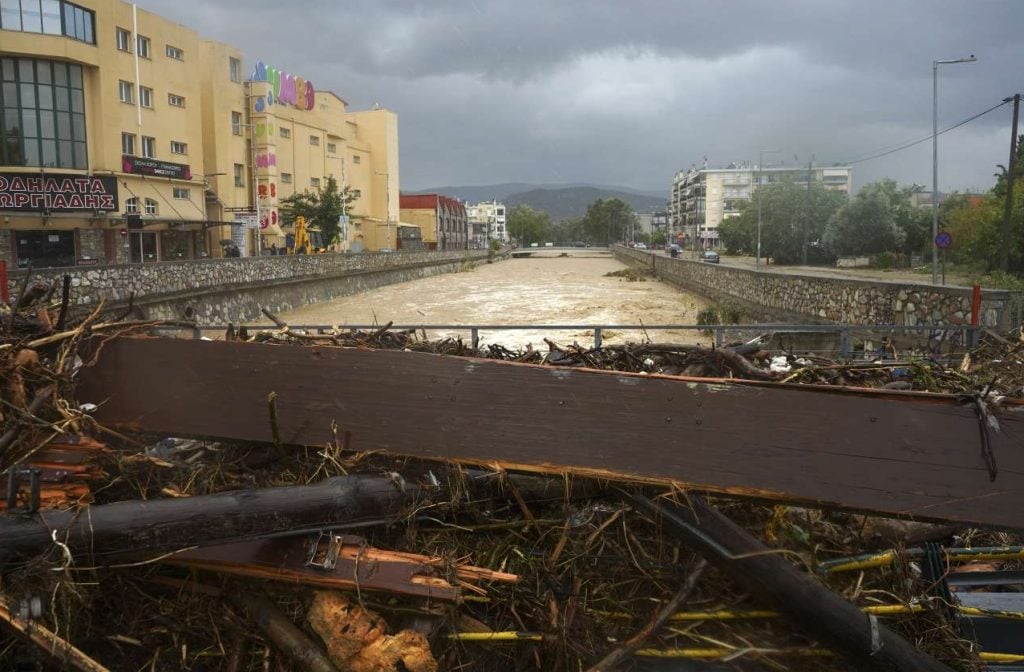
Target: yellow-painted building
(126, 137)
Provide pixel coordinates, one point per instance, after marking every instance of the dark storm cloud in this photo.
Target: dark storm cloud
(630, 92)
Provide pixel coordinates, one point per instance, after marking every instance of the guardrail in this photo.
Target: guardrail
(849, 338)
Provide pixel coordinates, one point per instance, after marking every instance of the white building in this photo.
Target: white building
(492, 214)
(701, 199)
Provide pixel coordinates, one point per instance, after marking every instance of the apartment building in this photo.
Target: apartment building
(127, 138)
(490, 214)
(702, 198)
(443, 222)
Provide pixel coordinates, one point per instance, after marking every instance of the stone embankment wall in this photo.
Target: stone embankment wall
(218, 291)
(813, 298)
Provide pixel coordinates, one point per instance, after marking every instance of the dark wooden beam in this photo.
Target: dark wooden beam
(904, 454)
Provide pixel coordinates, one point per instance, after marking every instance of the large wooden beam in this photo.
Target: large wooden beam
(905, 454)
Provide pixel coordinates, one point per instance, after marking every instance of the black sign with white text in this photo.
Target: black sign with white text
(142, 166)
(57, 192)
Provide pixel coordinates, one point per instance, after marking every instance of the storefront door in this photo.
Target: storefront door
(143, 247)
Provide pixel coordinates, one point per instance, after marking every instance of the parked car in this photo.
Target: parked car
(641, 246)
(710, 256)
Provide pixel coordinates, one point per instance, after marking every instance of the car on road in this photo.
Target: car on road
(641, 246)
(709, 256)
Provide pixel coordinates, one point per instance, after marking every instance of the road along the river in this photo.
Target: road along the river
(540, 290)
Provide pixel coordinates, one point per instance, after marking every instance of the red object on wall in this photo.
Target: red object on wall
(976, 305)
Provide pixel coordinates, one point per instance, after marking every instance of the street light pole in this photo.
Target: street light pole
(935, 159)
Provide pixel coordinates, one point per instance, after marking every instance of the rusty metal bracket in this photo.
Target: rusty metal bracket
(330, 556)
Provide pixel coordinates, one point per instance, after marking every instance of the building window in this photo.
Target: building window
(150, 206)
(175, 53)
(45, 16)
(128, 144)
(182, 193)
(142, 44)
(42, 113)
(126, 92)
(286, 178)
(357, 194)
(146, 96)
(124, 40)
(236, 123)
(174, 100)
(314, 140)
(236, 69)
(356, 159)
(148, 147)
(332, 148)
(79, 23)
(315, 182)
(178, 147)
(286, 132)
(131, 206)
(239, 175)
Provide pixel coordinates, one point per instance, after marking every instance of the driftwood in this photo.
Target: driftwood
(157, 526)
(772, 579)
(57, 648)
(289, 639)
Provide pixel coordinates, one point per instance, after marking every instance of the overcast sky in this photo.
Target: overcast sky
(627, 93)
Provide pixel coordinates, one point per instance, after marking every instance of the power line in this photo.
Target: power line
(926, 138)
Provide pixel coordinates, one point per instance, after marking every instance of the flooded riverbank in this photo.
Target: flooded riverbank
(530, 291)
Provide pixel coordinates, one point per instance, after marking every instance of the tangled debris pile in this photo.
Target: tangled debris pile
(124, 552)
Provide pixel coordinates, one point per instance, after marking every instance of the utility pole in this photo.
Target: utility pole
(1004, 249)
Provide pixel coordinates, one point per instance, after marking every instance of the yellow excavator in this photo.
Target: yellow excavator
(305, 240)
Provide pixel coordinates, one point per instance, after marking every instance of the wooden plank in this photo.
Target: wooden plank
(353, 565)
(899, 454)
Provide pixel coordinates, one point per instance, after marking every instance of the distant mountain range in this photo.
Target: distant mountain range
(560, 201)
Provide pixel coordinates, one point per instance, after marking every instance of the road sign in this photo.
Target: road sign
(944, 240)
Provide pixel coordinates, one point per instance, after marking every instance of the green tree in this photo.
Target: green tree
(320, 208)
(868, 223)
(608, 220)
(526, 225)
(793, 219)
(738, 235)
(568, 230)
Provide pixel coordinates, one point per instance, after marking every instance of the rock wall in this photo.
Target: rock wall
(811, 298)
(218, 291)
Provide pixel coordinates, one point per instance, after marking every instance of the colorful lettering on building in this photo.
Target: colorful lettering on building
(284, 88)
(266, 160)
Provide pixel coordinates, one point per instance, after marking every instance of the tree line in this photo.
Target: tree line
(810, 224)
(607, 220)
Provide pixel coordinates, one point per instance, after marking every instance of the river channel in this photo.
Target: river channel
(544, 290)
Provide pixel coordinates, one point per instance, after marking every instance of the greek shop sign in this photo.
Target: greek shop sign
(57, 192)
(284, 88)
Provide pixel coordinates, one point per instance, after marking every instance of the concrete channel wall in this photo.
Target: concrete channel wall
(807, 298)
(218, 291)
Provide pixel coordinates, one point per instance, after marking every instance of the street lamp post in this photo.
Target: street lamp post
(935, 158)
(760, 167)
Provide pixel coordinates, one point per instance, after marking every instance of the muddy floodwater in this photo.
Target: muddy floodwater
(531, 291)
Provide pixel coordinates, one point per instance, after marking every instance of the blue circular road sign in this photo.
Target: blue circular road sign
(943, 240)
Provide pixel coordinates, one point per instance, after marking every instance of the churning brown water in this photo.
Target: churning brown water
(544, 290)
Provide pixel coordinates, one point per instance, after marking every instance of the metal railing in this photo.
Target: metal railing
(871, 341)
